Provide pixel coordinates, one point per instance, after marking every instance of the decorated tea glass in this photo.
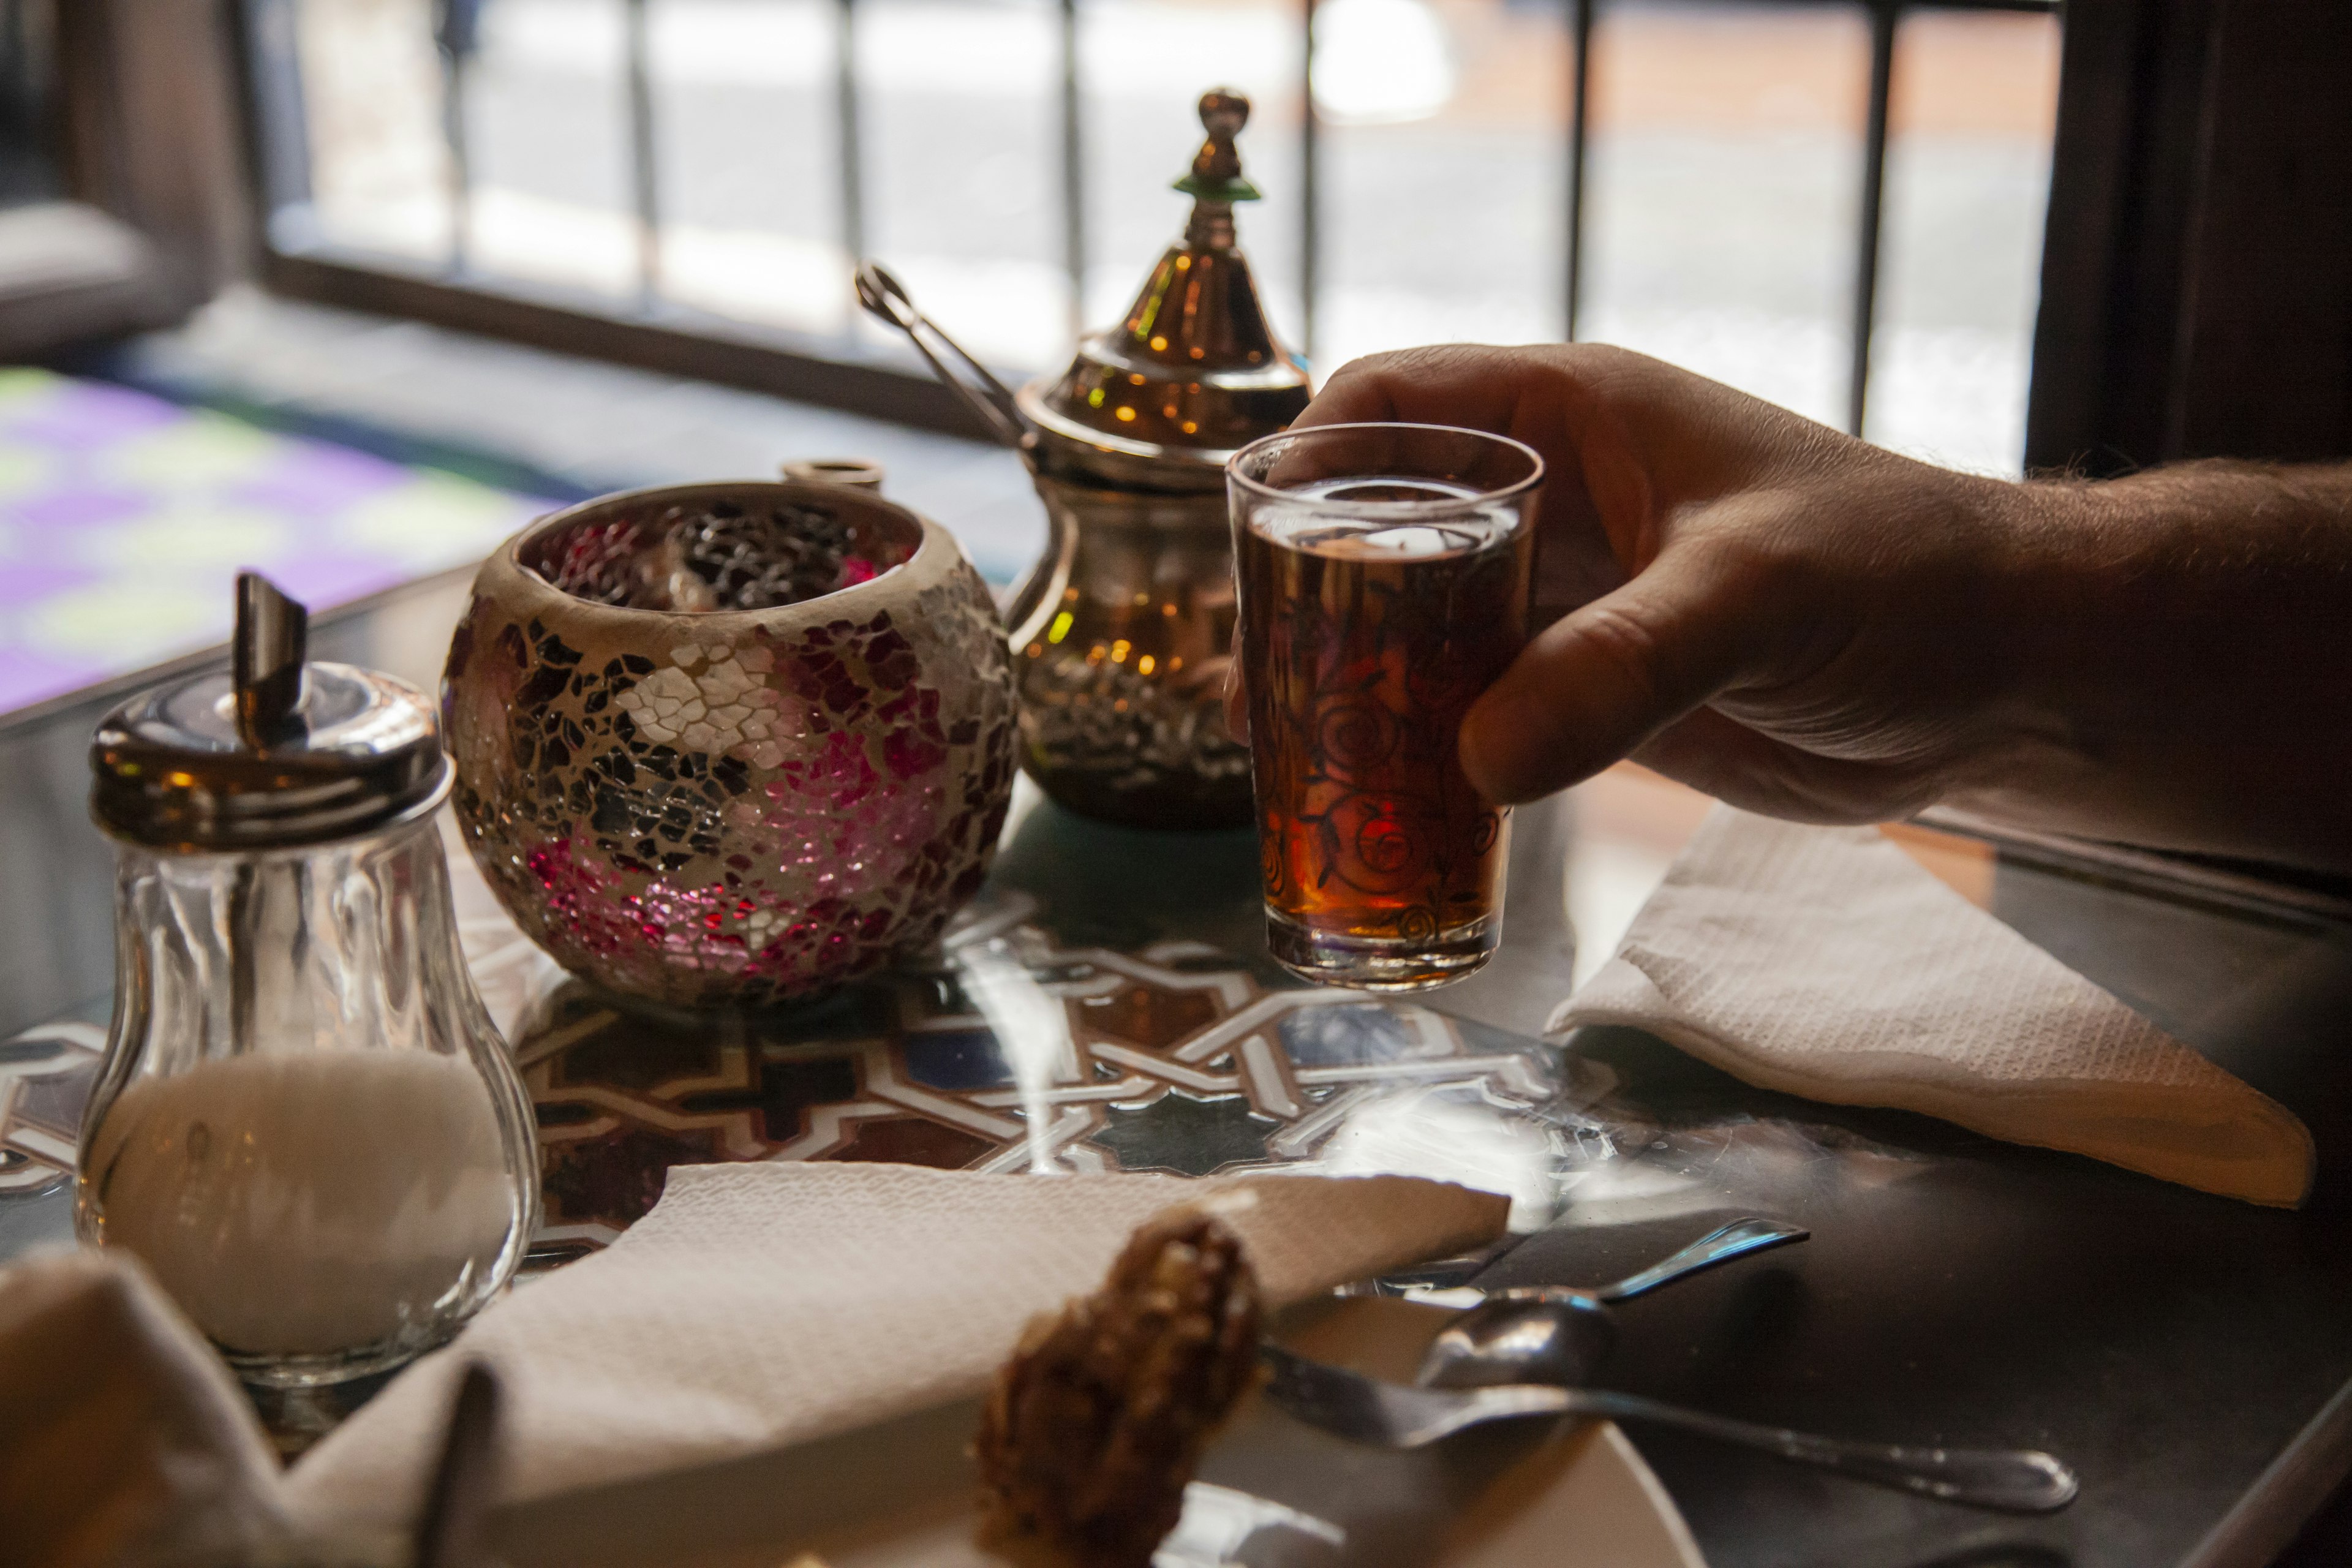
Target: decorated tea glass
(1384, 579)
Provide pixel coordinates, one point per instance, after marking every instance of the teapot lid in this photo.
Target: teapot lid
(276, 755)
(1195, 373)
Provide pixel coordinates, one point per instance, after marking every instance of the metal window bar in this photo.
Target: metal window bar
(853, 163)
(456, 25)
(273, 79)
(1074, 184)
(30, 145)
(644, 170)
(457, 31)
(1579, 119)
(1310, 205)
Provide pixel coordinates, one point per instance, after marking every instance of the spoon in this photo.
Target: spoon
(1561, 1334)
(1391, 1415)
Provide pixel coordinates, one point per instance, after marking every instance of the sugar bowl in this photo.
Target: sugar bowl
(732, 745)
(306, 1125)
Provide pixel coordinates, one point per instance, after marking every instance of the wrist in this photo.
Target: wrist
(2172, 646)
(2029, 581)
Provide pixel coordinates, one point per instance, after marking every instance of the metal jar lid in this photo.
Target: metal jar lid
(278, 754)
(1194, 374)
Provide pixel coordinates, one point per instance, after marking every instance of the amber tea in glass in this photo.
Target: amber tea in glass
(1383, 574)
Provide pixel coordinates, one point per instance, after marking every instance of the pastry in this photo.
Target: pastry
(1093, 1428)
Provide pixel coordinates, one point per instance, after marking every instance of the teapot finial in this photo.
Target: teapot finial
(1217, 174)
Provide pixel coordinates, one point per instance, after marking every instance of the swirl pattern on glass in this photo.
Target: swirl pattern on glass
(1366, 642)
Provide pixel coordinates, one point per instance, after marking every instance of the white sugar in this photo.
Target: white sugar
(312, 1203)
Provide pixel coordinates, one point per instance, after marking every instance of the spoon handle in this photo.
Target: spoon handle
(1737, 1239)
(1721, 1245)
(2014, 1480)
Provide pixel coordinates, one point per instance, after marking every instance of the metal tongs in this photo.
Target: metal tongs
(885, 299)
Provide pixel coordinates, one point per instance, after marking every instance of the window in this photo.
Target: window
(689, 172)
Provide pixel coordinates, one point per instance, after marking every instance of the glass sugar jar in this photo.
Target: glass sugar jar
(307, 1125)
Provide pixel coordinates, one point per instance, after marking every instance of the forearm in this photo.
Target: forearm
(2178, 661)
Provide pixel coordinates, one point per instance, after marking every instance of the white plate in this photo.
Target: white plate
(1271, 1493)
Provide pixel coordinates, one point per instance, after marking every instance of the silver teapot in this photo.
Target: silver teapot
(1122, 631)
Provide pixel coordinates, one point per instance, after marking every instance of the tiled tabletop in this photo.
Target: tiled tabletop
(2191, 1356)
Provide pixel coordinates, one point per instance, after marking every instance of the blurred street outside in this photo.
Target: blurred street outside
(1725, 168)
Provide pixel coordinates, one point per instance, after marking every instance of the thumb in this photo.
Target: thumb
(1599, 683)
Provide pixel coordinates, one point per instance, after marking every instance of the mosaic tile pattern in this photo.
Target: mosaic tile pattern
(705, 809)
(1173, 1057)
(124, 520)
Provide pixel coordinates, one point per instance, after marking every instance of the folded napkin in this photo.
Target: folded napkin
(760, 1305)
(1825, 962)
(122, 1438)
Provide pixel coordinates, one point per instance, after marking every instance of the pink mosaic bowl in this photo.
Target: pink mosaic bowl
(732, 808)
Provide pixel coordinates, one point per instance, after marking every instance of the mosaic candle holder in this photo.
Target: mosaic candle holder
(732, 808)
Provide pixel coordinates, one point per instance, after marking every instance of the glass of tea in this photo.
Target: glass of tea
(1383, 573)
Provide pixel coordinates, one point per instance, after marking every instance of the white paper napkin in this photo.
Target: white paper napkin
(760, 1305)
(1825, 962)
(122, 1438)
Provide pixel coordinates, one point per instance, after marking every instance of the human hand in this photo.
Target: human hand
(1775, 613)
